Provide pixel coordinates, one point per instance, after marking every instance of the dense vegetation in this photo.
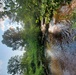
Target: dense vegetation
(29, 13)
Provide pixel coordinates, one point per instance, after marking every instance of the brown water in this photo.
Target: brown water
(61, 51)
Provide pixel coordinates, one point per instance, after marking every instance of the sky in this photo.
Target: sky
(5, 52)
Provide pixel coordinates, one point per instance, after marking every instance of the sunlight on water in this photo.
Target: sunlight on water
(58, 27)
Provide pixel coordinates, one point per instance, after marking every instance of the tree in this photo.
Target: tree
(12, 38)
(15, 66)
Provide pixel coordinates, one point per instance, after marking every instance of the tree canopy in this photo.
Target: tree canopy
(12, 38)
(15, 66)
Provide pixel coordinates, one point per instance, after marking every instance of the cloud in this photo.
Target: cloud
(1, 9)
(6, 23)
(1, 65)
(2, 27)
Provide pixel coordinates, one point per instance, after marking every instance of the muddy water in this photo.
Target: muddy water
(66, 55)
(62, 54)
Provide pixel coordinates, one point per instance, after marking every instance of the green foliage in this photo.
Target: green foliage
(14, 65)
(74, 19)
(12, 38)
(32, 56)
(74, 25)
(30, 12)
(18, 10)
